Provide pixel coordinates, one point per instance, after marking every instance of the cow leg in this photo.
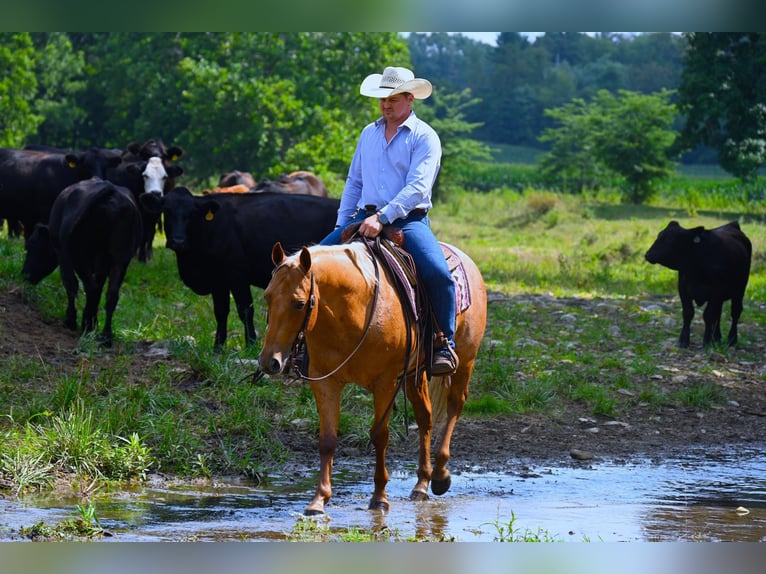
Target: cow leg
(244, 300)
(69, 279)
(93, 287)
(327, 396)
(712, 318)
(687, 310)
(417, 392)
(736, 311)
(116, 277)
(221, 306)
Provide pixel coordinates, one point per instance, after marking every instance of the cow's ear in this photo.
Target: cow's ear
(136, 167)
(277, 253)
(174, 152)
(174, 170)
(72, 160)
(209, 209)
(41, 231)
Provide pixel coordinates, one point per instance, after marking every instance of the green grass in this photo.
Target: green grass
(576, 316)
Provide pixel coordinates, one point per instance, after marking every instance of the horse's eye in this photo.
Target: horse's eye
(299, 305)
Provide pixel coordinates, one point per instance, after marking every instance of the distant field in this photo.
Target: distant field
(504, 153)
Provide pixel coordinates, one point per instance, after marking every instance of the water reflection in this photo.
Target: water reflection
(694, 497)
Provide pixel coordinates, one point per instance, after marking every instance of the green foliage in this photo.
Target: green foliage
(18, 87)
(507, 531)
(628, 135)
(60, 72)
(723, 94)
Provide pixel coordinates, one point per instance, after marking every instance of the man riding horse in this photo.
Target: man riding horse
(390, 181)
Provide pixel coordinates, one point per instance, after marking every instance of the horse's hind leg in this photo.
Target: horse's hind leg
(457, 394)
(417, 392)
(379, 436)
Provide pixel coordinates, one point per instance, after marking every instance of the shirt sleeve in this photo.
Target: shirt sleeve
(425, 161)
(352, 191)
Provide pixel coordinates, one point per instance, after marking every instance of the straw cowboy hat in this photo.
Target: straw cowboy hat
(395, 81)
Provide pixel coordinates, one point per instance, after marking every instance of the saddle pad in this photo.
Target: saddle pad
(462, 288)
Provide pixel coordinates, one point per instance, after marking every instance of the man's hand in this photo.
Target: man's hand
(371, 226)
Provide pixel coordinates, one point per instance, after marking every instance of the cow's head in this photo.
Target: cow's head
(93, 162)
(183, 215)
(154, 173)
(41, 259)
(675, 245)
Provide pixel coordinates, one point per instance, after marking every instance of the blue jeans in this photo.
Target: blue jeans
(422, 245)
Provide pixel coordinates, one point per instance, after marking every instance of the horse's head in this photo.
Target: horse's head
(291, 298)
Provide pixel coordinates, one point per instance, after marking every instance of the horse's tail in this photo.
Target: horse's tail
(438, 389)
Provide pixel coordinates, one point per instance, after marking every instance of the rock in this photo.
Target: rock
(578, 454)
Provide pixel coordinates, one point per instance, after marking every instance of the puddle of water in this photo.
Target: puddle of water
(689, 498)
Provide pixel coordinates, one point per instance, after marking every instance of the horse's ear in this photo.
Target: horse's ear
(305, 259)
(277, 253)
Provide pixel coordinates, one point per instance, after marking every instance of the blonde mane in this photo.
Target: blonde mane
(355, 251)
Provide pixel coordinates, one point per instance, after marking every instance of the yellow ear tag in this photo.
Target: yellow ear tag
(174, 157)
(209, 216)
(72, 164)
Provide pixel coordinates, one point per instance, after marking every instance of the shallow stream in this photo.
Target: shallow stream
(705, 495)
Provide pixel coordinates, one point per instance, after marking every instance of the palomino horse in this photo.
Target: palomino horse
(355, 331)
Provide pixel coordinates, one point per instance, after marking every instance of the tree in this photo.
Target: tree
(17, 89)
(60, 72)
(571, 163)
(634, 137)
(723, 95)
(446, 114)
(628, 134)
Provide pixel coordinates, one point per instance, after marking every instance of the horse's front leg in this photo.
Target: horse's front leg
(327, 398)
(417, 392)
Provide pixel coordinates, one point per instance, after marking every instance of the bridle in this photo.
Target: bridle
(300, 337)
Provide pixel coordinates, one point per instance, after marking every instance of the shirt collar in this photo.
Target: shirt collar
(409, 123)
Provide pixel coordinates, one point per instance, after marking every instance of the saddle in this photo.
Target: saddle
(389, 251)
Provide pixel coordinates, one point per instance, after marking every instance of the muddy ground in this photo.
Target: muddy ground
(503, 442)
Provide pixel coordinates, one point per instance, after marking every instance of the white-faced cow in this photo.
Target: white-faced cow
(93, 232)
(30, 180)
(223, 242)
(713, 266)
(147, 168)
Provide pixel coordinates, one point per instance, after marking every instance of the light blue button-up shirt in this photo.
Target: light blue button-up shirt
(395, 176)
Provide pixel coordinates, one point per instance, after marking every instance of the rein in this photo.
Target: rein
(300, 337)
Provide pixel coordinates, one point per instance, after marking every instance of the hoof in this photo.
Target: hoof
(313, 512)
(441, 486)
(380, 505)
(418, 495)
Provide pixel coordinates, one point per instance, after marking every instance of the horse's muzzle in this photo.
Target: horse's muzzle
(271, 364)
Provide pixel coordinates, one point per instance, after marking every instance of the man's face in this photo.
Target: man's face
(396, 108)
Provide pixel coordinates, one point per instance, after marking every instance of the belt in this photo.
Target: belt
(370, 209)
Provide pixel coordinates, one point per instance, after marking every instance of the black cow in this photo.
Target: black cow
(93, 232)
(713, 266)
(30, 180)
(141, 174)
(223, 242)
